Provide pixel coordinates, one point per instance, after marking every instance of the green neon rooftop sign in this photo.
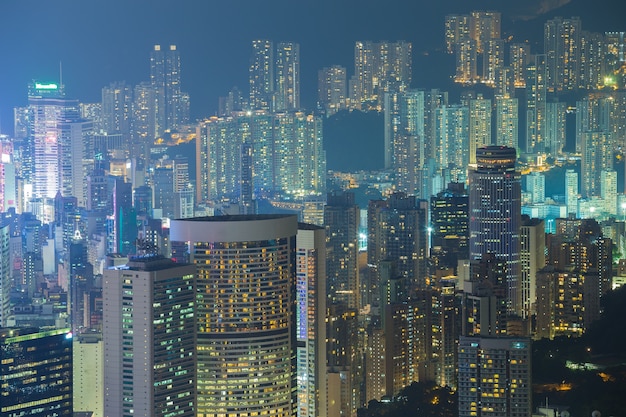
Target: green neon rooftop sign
(50, 86)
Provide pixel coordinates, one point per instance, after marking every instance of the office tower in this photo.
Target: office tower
(446, 331)
(380, 67)
(73, 158)
(449, 220)
(479, 125)
(287, 69)
(504, 83)
(36, 372)
(171, 102)
(571, 192)
(555, 127)
(457, 29)
(246, 280)
(81, 282)
(536, 186)
(536, 92)
(332, 89)
(494, 374)
(398, 227)
(163, 179)
(532, 259)
(493, 60)
(144, 123)
(608, 191)
(562, 50)
(495, 214)
(519, 54)
(117, 102)
(453, 139)
(88, 373)
(597, 156)
(341, 218)
(124, 217)
(507, 122)
(466, 62)
(261, 75)
(484, 26)
(593, 61)
(149, 338)
(311, 320)
(49, 108)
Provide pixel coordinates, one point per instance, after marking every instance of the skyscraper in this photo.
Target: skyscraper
(457, 29)
(532, 259)
(518, 61)
(261, 74)
(341, 218)
(49, 108)
(117, 100)
(507, 122)
(36, 372)
(172, 103)
(332, 89)
(246, 312)
(495, 214)
(484, 26)
(149, 339)
(449, 213)
(287, 76)
(536, 96)
(311, 320)
(562, 50)
(479, 125)
(571, 192)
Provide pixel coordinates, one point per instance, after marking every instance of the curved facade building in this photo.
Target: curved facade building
(246, 346)
(495, 214)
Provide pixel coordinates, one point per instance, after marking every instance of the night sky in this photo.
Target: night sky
(103, 41)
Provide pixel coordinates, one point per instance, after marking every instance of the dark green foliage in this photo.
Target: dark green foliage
(420, 399)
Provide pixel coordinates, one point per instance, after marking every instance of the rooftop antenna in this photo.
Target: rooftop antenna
(61, 75)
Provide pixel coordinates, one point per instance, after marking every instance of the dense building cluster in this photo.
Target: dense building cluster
(248, 280)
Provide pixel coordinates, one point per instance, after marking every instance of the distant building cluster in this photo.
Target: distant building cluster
(245, 279)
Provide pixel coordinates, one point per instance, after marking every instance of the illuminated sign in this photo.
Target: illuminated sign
(51, 86)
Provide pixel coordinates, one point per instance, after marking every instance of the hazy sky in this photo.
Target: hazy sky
(99, 41)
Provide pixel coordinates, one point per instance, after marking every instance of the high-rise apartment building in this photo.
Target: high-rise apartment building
(493, 60)
(36, 372)
(117, 102)
(341, 218)
(556, 113)
(507, 122)
(484, 26)
(452, 130)
(379, 67)
(519, 54)
(494, 376)
(287, 73)
(5, 274)
(562, 50)
(144, 122)
(332, 89)
(479, 125)
(245, 312)
(571, 192)
(172, 103)
(597, 156)
(261, 73)
(593, 61)
(457, 29)
(149, 339)
(466, 62)
(495, 214)
(536, 98)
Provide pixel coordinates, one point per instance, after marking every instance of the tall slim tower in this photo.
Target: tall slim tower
(571, 192)
(332, 89)
(287, 76)
(479, 125)
(262, 74)
(245, 314)
(48, 109)
(165, 78)
(341, 218)
(311, 320)
(495, 214)
(149, 339)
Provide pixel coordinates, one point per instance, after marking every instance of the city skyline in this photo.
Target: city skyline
(215, 58)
